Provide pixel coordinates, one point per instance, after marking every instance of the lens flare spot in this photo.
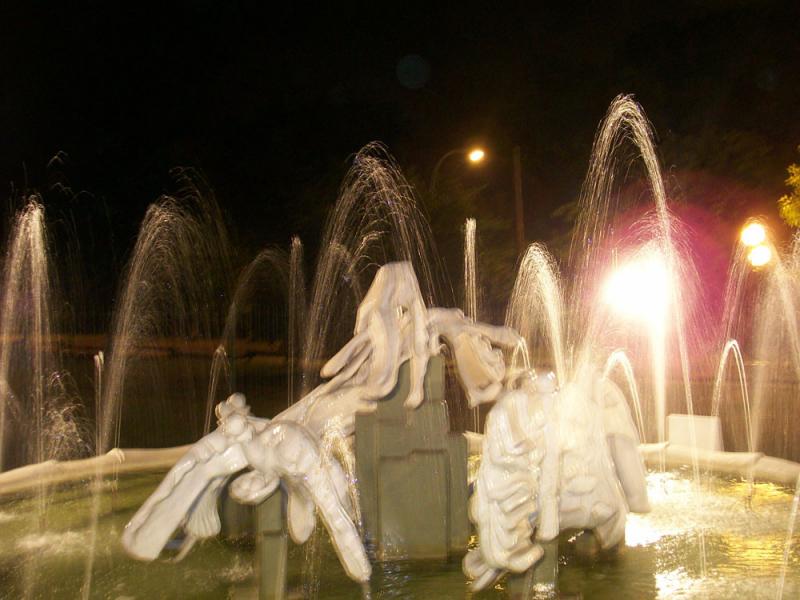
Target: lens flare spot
(639, 289)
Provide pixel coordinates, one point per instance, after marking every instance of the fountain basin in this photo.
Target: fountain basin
(743, 531)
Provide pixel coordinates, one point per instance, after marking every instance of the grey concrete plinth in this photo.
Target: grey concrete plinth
(236, 519)
(412, 473)
(266, 525)
(272, 548)
(540, 581)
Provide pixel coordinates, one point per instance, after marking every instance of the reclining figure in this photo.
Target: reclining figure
(277, 451)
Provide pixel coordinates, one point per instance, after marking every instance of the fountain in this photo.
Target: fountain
(552, 498)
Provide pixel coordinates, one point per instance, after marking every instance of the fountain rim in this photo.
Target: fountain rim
(755, 466)
(750, 465)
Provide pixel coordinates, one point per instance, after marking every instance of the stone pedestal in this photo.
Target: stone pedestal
(272, 539)
(236, 519)
(707, 431)
(412, 474)
(266, 526)
(541, 581)
(412, 483)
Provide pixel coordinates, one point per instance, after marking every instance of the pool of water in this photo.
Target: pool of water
(47, 550)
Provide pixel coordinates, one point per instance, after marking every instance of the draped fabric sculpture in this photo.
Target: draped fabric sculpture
(551, 459)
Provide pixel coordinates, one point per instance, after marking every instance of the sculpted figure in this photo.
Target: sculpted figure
(277, 451)
(552, 460)
(391, 327)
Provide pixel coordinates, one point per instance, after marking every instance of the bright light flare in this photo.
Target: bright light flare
(476, 155)
(640, 289)
(760, 255)
(753, 234)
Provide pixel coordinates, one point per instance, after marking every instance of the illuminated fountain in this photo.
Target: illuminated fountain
(365, 341)
(549, 460)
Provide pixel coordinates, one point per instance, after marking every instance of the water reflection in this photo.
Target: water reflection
(743, 533)
(659, 560)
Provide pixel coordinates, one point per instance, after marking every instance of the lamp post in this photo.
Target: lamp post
(473, 155)
(477, 155)
(519, 215)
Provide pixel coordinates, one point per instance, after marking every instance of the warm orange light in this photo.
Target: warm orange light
(753, 234)
(476, 155)
(760, 255)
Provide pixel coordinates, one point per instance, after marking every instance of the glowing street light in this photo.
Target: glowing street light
(754, 237)
(476, 155)
(759, 255)
(753, 234)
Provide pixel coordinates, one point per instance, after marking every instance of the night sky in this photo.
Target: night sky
(268, 103)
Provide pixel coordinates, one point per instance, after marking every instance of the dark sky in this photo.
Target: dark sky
(269, 102)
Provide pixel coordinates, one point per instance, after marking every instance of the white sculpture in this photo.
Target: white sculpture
(551, 460)
(277, 451)
(391, 327)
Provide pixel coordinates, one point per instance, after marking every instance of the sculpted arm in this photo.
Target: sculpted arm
(477, 349)
(391, 327)
(172, 503)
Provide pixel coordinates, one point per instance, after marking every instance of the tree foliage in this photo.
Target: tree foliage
(789, 204)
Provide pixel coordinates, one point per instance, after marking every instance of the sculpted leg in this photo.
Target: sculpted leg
(301, 516)
(344, 534)
(623, 442)
(294, 454)
(204, 521)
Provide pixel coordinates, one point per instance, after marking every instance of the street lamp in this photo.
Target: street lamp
(473, 155)
(760, 255)
(476, 155)
(754, 236)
